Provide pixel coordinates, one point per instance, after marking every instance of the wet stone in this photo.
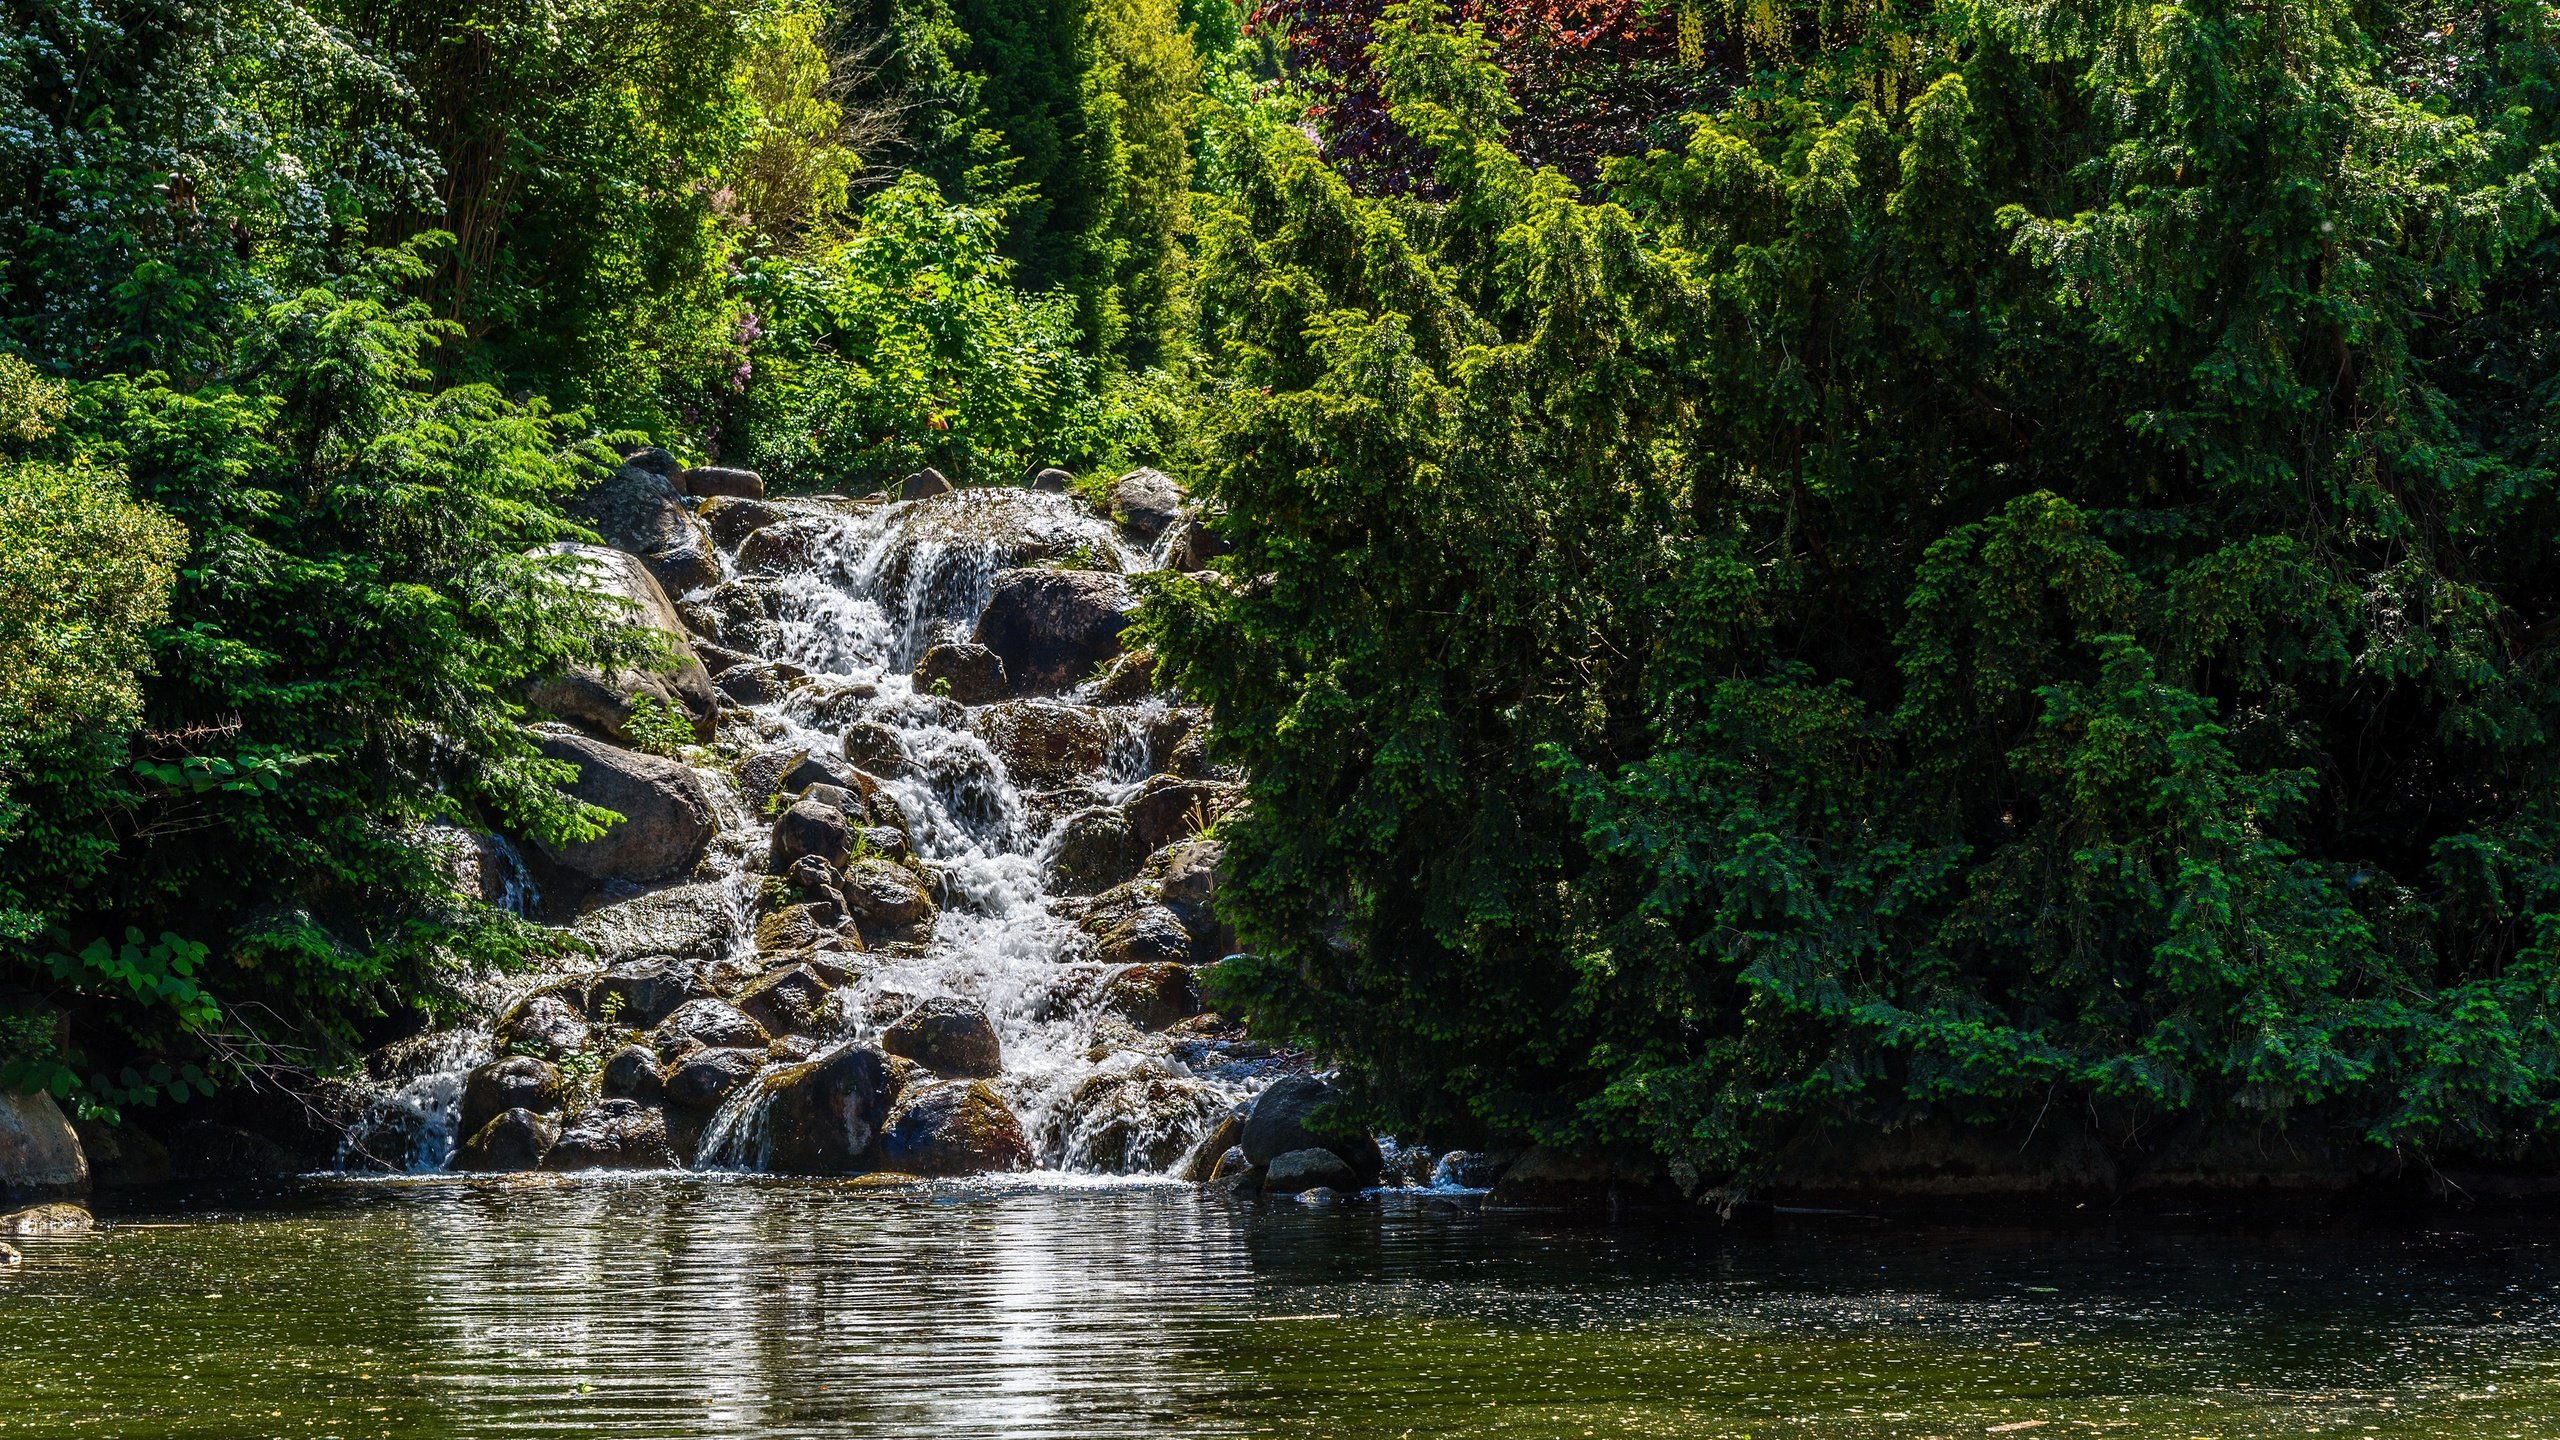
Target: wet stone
(701, 1080)
(517, 1082)
(1093, 851)
(875, 747)
(709, 1022)
(545, 1022)
(634, 1074)
(809, 828)
(949, 1036)
(1293, 1171)
(515, 1140)
(613, 1135)
(787, 1000)
(953, 1127)
(969, 674)
(885, 896)
(640, 993)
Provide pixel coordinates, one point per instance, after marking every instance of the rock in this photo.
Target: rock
(653, 459)
(948, 1036)
(791, 999)
(481, 866)
(786, 547)
(1152, 996)
(708, 1022)
(55, 1218)
(736, 614)
(1139, 1122)
(1044, 742)
(809, 828)
(1192, 546)
(641, 513)
(40, 1154)
(613, 1135)
(924, 484)
(1167, 808)
(1145, 935)
(515, 1140)
(1051, 480)
(799, 927)
(953, 1127)
(1548, 1178)
(638, 994)
(1291, 1171)
(634, 1074)
(788, 772)
(1202, 1164)
(701, 1080)
(709, 481)
(1189, 876)
(546, 1022)
(692, 922)
(884, 842)
(753, 683)
(9, 1256)
(604, 702)
(872, 746)
(885, 896)
(1467, 1170)
(211, 1150)
(1280, 1122)
(824, 1117)
(122, 1157)
(1128, 680)
(514, 1082)
(1052, 627)
(970, 674)
(718, 659)
(1144, 502)
(667, 820)
(1092, 851)
(732, 519)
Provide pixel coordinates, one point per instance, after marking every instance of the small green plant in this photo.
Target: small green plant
(941, 686)
(657, 727)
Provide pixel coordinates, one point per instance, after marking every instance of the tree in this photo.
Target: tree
(1972, 585)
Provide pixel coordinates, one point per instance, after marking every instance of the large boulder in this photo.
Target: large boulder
(1138, 1122)
(970, 674)
(1168, 808)
(692, 922)
(641, 512)
(1052, 627)
(708, 1022)
(1044, 742)
(885, 897)
(710, 481)
(1092, 851)
(605, 701)
(634, 1074)
(732, 519)
(613, 1135)
(949, 1036)
(923, 485)
(790, 1000)
(824, 1116)
(515, 1140)
(953, 1127)
(809, 828)
(1050, 480)
(637, 994)
(1152, 996)
(514, 1082)
(548, 1021)
(667, 820)
(701, 1080)
(1292, 1171)
(1144, 935)
(738, 614)
(1188, 877)
(1144, 502)
(40, 1154)
(1282, 1121)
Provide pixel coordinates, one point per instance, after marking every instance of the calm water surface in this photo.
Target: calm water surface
(724, 1307)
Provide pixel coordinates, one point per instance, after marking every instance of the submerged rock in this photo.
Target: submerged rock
(516, 1082)
(55, 1218)
(1053, 627)
(667, 817)
(953, 1127)
(613, 1135)
(949, 1036)
(513, 1140)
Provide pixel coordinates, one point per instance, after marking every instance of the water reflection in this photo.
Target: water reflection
(736, 1307)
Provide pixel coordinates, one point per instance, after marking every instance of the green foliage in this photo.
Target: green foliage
(656, 727)
(2010, 572)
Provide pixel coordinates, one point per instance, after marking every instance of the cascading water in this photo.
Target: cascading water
(841, 601)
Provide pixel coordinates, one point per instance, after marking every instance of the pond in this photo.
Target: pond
(729, 1306)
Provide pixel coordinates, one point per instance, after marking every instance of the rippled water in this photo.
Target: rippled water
(700, 1306)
